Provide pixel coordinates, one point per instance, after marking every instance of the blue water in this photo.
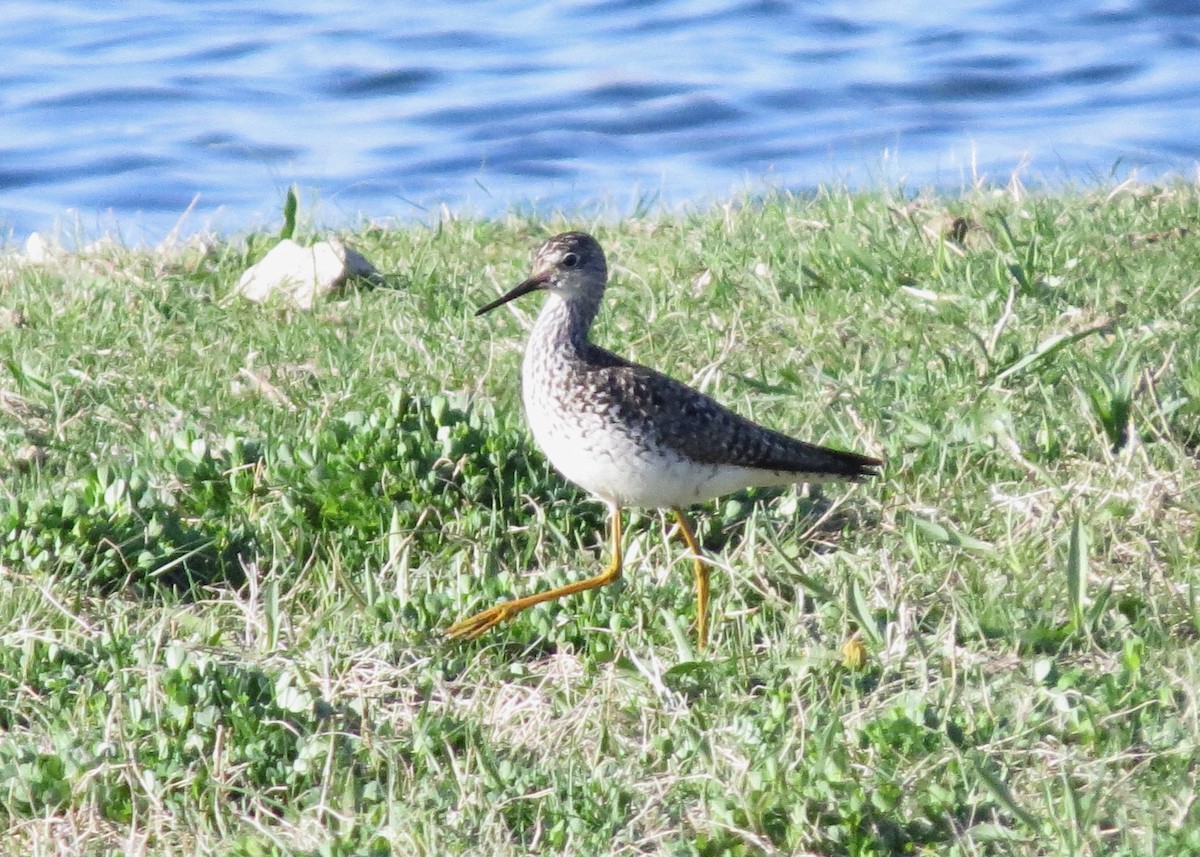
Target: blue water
(117, 117)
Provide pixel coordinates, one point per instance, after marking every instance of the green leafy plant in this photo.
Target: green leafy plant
(1112, 405)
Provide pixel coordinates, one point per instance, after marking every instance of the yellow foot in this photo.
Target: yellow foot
(481, 622)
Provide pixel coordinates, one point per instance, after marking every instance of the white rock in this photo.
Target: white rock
(104, 246)
(302, 273)
(37, 249)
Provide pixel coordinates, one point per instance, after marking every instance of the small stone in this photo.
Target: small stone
(12, 318)
(37, 249)
(29, 457)
(104, 246)
(303, 273)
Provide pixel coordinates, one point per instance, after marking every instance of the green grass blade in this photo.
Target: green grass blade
(1077, 572)
(290, 205)
(1045, 349)
(1002, 793)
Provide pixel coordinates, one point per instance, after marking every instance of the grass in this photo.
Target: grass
(231, 534)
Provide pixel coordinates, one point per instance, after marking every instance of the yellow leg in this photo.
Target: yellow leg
(485, 620)
(701, 569)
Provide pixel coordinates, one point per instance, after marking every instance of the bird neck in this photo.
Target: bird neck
(564, 322)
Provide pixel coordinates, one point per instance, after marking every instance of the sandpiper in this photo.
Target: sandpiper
(632, 436)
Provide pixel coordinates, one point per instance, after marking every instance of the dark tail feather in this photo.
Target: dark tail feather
(860, 466)
(819, 462)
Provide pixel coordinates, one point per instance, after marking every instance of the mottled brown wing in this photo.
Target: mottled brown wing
(700, 428)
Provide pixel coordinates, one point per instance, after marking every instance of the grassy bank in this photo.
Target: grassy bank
(230, 535)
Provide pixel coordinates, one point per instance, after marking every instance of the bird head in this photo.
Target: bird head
(570, 265)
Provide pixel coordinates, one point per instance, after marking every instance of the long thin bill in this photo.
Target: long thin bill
(530, 285)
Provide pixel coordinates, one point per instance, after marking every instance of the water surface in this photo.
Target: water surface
(130, 113)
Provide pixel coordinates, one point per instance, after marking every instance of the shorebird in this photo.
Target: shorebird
(631, 436)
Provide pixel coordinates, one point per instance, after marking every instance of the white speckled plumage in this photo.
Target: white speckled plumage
(632, 436)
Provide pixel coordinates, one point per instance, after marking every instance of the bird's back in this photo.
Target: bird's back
(634, 436)
(695, 426)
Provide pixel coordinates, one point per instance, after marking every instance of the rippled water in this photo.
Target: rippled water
(127, 112)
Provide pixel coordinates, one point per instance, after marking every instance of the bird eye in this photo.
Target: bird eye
(570, 260)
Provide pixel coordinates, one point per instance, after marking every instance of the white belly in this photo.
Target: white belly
(611, 464)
